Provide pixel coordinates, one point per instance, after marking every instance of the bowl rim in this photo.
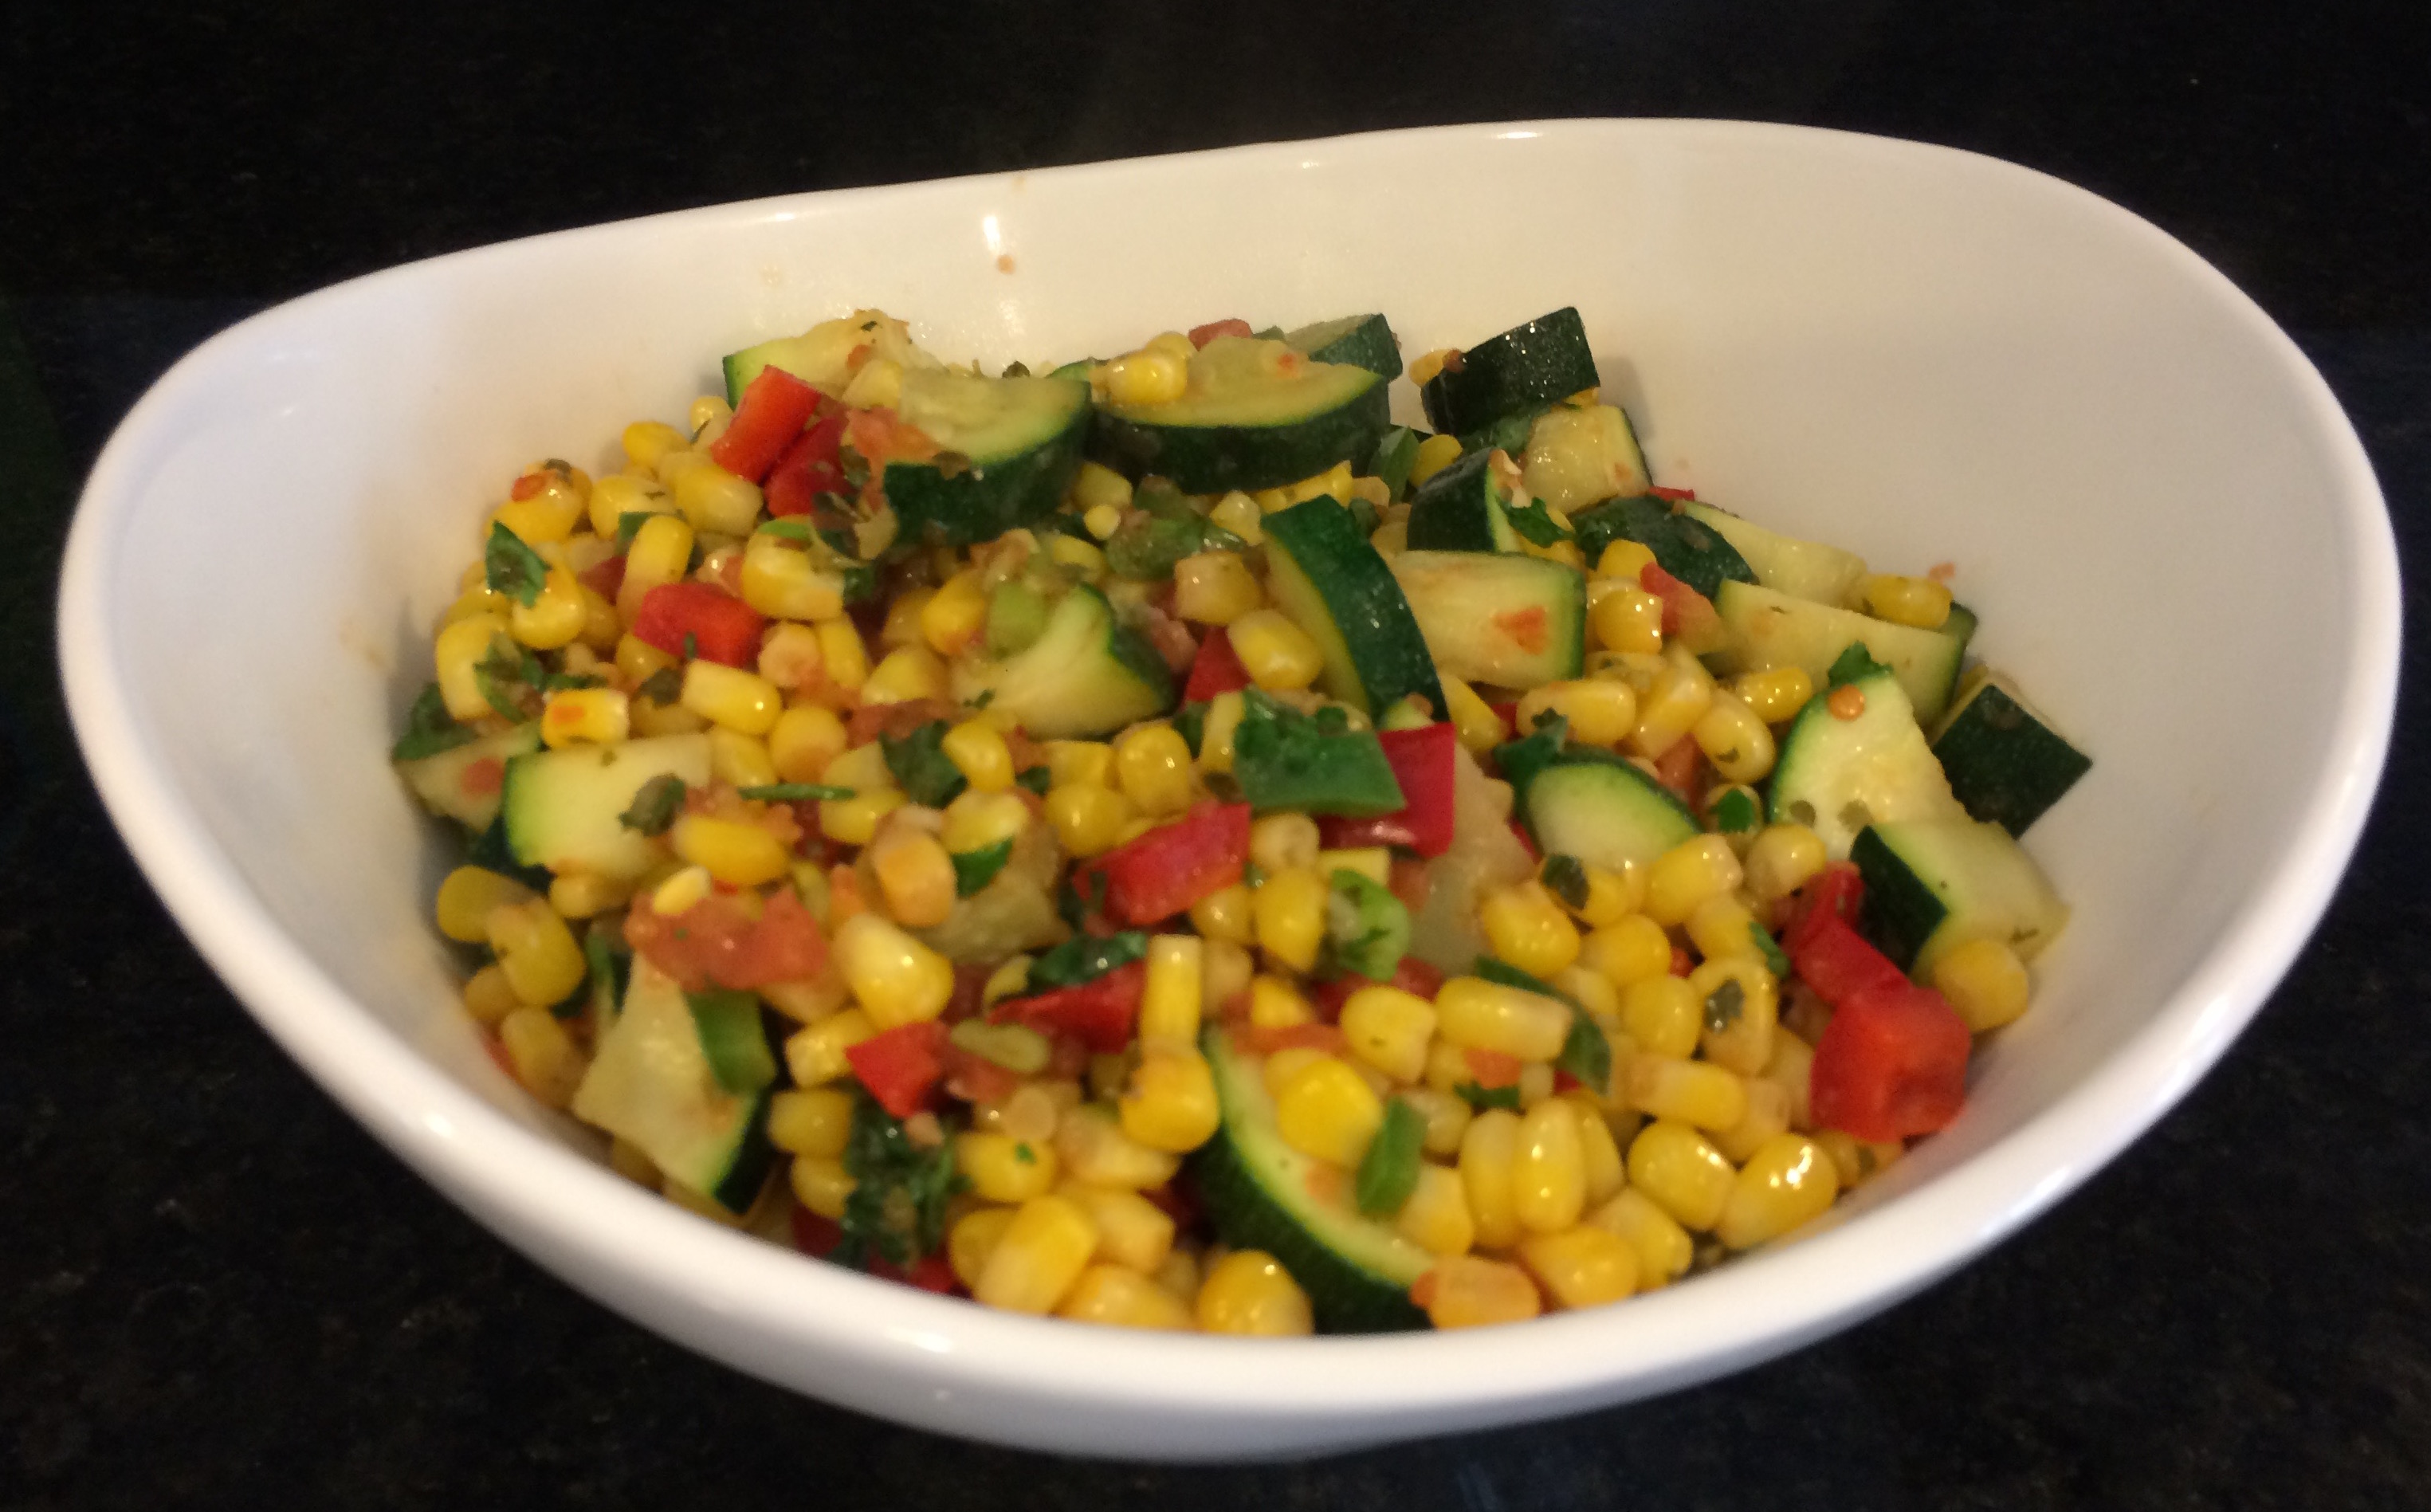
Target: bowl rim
(632, 1247)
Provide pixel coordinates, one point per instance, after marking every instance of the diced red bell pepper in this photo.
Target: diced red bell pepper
(807, 468)
(1686, 612)
(1202, 335)
(1216, 669)
(1831, 958)
(902, 1065)
(1174, 866)
(1422, 763)
(1688, 495)
(1838, 889)
(1891, 1064)
(604, 577)
(1493, 1068)
(1098, 1013)
(775, 407)
(976, 1079)
(1676, 769)
(723, 628)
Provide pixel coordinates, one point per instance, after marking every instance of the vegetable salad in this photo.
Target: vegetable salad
(1151, 841)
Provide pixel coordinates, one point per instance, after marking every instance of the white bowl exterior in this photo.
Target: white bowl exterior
(2168, 528)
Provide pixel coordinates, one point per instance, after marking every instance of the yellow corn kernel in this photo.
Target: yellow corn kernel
(1101, 520)
(1435, 453)
(601, 715)
(740, 759)
(1590, 991)
(1153, 764)
(740, 700)
(1735, 740)
(1784, 858)
(638, 660)
(646, 440)
(480, 599)
(790, 657)
(1527, 928)
(1857, 1160)
(587, 895)
(1984, 981)
(862, 767)
(815, 1055)
(1169, 1000)
(976, 820)
(1289, 907)
(618, 494)
(1722, 926)
(1328, 1111)
(1147, 376)
(879, 384)
(783, 582)
(1132, 1232)
(554, 617)
(1447, 1064)
(1475, 1014)
(1918, 601)
(1601, 1161)
(821, 1184)
(1611, 896)
(661, 554)
(1095, 1151)
(1473, 719)
(1664, 1014)
(1548, 1169)
(1678, 698)
(1488, 1150)
(651, 718)
(956, 614)
(972, 1239)
(1080, 761)
(489, 997)
(1686, 875)
(1078, 555)
(1681, 1172)
(678, 894)
(1375, 862)
(1226, 974)
(1767, 1115)
(1663, 1248)
(466, 896)
(1280, 841)
(545, 517)
(714, 500)
(1041, 1254)
(844, 656)
(978, 750)
(803, 741)
(1225, 914)
(853, 821)
(1214, 588)
(1114, 1297)
(1791, 1068)
(1088, 818)
(1626, 560)
(1001, 1168)
(915, 876)
(1582, 1266)
(1468, 1291)
(1435, 1217)
(736, 853)
(908, 672)
(1776, 695)
(545, 1059)
(602, 626)
(1389, 1029)
(1787, 1182)
(1600, 712)
(1278, 655)
(460, 650)
(1738, 1036)
(811, 1120)
(1096, 485)
(1275, 1004)
(1284, 1064)
(1238, 513)
(1171, 1101)
(1626, 617)
(1690, 1092)
(895, 979)
(1249, 1292)
(536, 951)
(1447, 1116)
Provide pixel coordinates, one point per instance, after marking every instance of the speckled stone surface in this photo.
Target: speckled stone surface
(215, 1291)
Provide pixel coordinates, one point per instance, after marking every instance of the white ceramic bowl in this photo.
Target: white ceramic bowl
(2170, 531)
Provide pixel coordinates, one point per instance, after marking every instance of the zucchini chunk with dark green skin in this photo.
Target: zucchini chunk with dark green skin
(1770, 629)
(1360, 341)
(438, 779)
(1529, 366)
(1329, 581)
(1933, 884)
(564, 809)
(2005, 761)
(1687, 548)
(1603, 811)
(1086, 674)
(1502, 619)
(1578, 455)
(1838, 775)
(1255, 1190)
(1257, 415)
(653, 1083)
(1784, 564)
(1465, 508)
(1008, 448)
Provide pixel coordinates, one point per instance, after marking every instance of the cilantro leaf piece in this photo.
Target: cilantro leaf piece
(630, 525)
(663, 686)
(1284, 759)
(1366, 928)
(1190, 723)
(1146, 546)
(655, 805)
(1776, 959)
(510, 678)
(1037, 778)
(975, 870)
(1853, 664)
(1520, 760)
(511, 567)
(789, 528)
(1079, 895)
(1723, 1006)
(1535, 523)
(897, 1211)
(430, 729)
(919, 762)
(1482, 1098)
(1086, 958)
(1734, 812)
(792, 793)
(1508, 975)
(1566, 878)
(1587, 1053)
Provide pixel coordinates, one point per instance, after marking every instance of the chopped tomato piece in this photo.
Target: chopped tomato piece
(1838, 889)
(901, 1066)
(775, 407)
(807, 468)
(1676, 769)
(715, 942)
(1202, 335)
(1176, 864)
(1493, 1068)
(882, 436)
(1830, 957)
(1215, 669)
(976, 1079)
(721, 627)
(1098, 1013)
(604, 578)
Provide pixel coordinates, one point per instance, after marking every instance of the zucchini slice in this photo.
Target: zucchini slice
(1770, 629)
(439, 780)
(1603, 811)
(1506, 620)
(1256, 415)
(822, 356)
(1578, 455)
(1525, 367)
(1359, 341)
(652, 1084)
(1935, 883)
(1255, 1190)
(1702, 558)
(1323, 574)
(1465, 508)
(1007, 449)
(2005, 761)
(564, 809)
(1802, 569)
(1086, 674)
(1837, 776)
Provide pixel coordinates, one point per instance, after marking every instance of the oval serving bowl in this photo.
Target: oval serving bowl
(1914, 352)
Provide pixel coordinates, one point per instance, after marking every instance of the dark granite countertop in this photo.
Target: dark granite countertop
(215, 1290)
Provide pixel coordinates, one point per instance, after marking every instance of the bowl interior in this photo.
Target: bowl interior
(2163, 520)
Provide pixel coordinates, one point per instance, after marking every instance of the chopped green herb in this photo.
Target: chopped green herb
(663, 686)
(1734, 812)
(1366, 928)
(430, 729)
(1145, 546)
(1851, 666)
(1079, 895)
(793, 793)
(511, 567)
(1776, 959)
(897, 1211)
(975, 870)
(1587, 1053)
(609, 965)
(629, 525)
(1086, 957)
(1520, 760)
(1396, 454)
(1389, 1171)
(1022, 1155)
(1190, 723)
(1511, 976)
(919, 762)
(1566, 878)
(690, 646)
(1535, 523)
(1723, 1006)
(1315, 764)
(1252, 874)
(1482, 1098)
(987, 695)
(1037, 778)
(656, 805)
(789, 528)
(510, 678)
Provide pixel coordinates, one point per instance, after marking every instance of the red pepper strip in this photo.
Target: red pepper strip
(714, 941)
(902, 1065)
(975, 1078)
(775, 407)
(1265, 1039)
(1831, 958)
(1686, 612)
(1838, 889)
(1687, 494)
(1422, 764)
(806, 469)
(723, 628)
(1098, 1014)
(1216, 669)
(1412, 976)
(1202, 335)
(1176, 864)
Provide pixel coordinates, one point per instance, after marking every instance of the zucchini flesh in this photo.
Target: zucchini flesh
(1577, 456)
(1837, 776)
(1703, 559)
(1359, 341)
(1322, 572)
(1769, 629)
(1530, 364)
(1802, 569)
(1086, 674)
(1464, 507)
(1605, 812)
(651, 1084)
(2005, 761)
(438, 779)
(1933, 884)
(1009, 449)
(1256, 415)
(1505, 620)
(822, 356)
(564, 809)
